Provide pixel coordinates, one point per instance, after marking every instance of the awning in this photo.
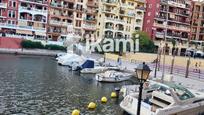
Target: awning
(24, 32)
(40, 33)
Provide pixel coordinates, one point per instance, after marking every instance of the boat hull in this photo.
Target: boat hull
(129, 104)
(101, 78)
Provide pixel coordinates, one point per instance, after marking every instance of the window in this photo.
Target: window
(12, 4)
(148, 21)
(11, 14)
(149, 14)
(150, 5)
(158, 5)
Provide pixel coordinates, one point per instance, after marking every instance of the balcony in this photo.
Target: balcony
(89, 26)
(110, 2)
(3, 5)
(108, 19)
(58, 5)
(90, 19)
(140, 8)
(58, 31)
(22, 27)
(36, 1)
(179, 28)
(159, 25)
(70, 1)
(90, 11)
(176, 4)
(110, 11)
(55, 22)
(33, 11)
(159, 35)
(109, 27)
(91, 4)
(58, 23)
(141, 1)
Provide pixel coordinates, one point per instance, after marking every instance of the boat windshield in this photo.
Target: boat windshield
(181, 92)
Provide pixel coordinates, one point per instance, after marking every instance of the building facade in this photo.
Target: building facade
(197, 24)
(169, 19)
(119, 18)
(47, 19)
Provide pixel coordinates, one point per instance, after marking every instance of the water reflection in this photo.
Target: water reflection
(37, 85)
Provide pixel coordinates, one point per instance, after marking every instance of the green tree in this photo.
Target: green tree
(145, 42)
(173, 43)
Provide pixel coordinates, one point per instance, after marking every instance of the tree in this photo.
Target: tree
(145, 42)
(173, 41)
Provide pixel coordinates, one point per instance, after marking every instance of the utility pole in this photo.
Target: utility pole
(165, 45)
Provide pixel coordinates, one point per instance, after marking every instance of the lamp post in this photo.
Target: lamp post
(142, 73)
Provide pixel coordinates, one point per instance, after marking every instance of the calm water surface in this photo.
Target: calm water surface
(38, 86)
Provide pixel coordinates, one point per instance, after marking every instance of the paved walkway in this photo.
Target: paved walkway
(191, 82)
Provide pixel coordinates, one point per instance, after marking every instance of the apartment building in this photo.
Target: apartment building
(23, 18)
(169, 19)
(79, 13)
(119, 18)
(197, 24)
(47, 19)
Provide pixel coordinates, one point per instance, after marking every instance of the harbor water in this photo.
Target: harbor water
(37, 86)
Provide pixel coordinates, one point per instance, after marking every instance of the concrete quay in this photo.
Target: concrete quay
(35, 52)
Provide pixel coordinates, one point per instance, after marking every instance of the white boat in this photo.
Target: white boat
(71, 59)
(165, 99)
(113, 76)
(99, 69)
(63, 57)
(59, 55)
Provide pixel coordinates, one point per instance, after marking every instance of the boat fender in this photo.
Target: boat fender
(76, 112)
(104, 100)
(113, 95)
(92, 105)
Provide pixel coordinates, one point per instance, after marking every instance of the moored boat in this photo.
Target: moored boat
(113, 76)
(165, 99)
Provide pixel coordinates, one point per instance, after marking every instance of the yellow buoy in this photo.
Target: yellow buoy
(113, 95)
(104, 99)
(76, 112)
(92, 105)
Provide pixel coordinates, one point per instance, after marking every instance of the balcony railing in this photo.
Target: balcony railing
(3, 5)
(107, 10)
(92, 4)
(36, 1)
(110, 2)
(22, 27)
(115, 20)
(56, 5)
(179, 28)
(159, 34)
(90, 19)
(89, 26)
(176, 4)
(140, 8)
(59, 23)
(32, 10)
(90, 11)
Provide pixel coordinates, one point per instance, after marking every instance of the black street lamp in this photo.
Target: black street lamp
(142, 72)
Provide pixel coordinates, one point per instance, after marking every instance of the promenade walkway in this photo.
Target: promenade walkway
(194, 81)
